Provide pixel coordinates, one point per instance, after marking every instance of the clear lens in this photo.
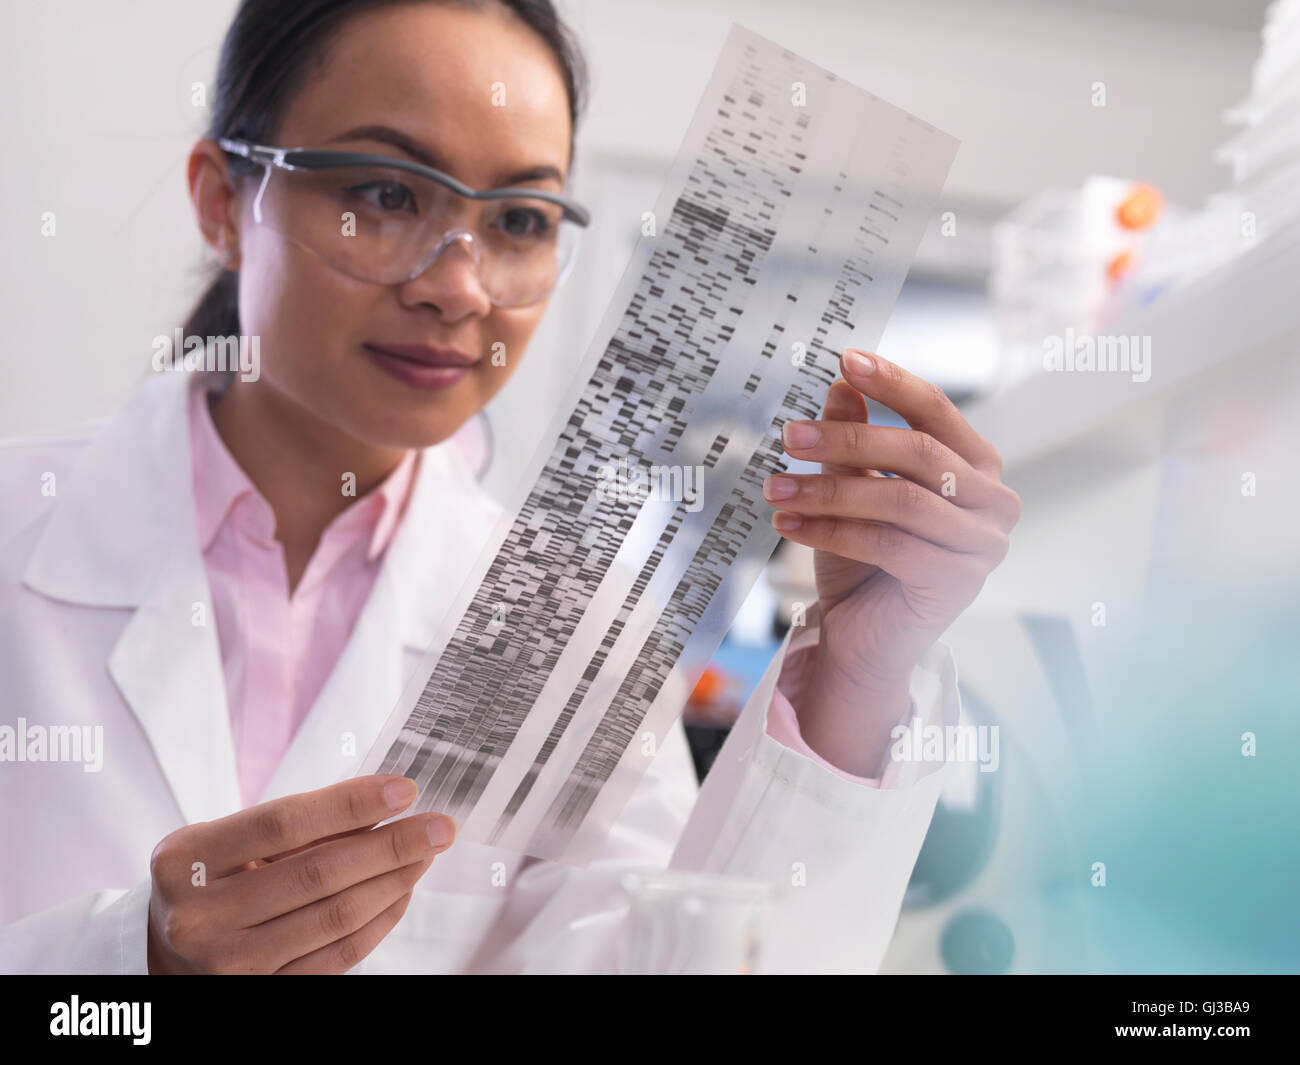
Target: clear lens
(389, 226)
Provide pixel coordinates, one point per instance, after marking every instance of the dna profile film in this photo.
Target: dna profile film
(786, 227)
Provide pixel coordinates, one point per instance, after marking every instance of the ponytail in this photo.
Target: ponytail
(217, 312)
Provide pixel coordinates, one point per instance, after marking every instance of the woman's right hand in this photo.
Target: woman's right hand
(302, 884)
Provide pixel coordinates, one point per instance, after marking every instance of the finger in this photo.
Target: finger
(348, 952)
(322, 871)
(314, 843)
(916, 563)
(844, 405)
(259, 862)
(295, 821)
(922, 405)
(893, 500)
(906, 452)
(307, 929)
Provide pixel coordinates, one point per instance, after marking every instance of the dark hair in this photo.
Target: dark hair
(267, 52)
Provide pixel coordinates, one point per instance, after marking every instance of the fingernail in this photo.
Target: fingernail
(786, 522)
(442, 830)
(775, 487)
(858, 362)
(399, 793)
(800, 435)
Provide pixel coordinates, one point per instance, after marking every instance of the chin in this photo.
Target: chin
(415, 430)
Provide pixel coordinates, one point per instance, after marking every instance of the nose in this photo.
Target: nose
(450, 278)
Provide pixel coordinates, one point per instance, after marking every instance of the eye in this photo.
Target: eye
(524, 222)
(386, 195)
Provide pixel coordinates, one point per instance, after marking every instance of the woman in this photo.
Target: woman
(223, 590)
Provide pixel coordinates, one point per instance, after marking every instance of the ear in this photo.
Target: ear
(214, 196)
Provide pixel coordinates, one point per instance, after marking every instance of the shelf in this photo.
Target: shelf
(1246, 306)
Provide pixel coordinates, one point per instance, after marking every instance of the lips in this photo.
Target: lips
(424, 355)
(420, 366)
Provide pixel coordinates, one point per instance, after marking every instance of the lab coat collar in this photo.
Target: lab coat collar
(123, 535)
(121, 508)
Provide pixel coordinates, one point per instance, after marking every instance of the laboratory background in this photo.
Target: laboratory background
(1128, 170)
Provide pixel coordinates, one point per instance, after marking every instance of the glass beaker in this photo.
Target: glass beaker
(693, 923)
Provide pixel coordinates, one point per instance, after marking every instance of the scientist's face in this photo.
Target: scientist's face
(422, 74)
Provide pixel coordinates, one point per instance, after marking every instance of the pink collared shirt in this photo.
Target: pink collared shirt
(277, 649)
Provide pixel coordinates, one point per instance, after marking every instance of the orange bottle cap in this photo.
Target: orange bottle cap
(1140, 208)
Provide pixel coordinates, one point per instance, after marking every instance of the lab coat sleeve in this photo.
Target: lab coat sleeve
(102, 932)
(840, 849)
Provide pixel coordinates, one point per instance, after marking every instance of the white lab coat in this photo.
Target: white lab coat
(101, 582)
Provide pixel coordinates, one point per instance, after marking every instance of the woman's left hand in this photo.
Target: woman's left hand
(896, 558)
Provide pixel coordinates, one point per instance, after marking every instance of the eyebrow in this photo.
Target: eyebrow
(421, 154)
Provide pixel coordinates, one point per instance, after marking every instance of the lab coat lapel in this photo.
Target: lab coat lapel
(168, 668)
(448, 519)
(123, 534)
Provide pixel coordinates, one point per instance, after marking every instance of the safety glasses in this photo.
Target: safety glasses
(387, 220)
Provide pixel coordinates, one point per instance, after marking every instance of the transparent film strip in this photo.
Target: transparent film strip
(785, 230)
